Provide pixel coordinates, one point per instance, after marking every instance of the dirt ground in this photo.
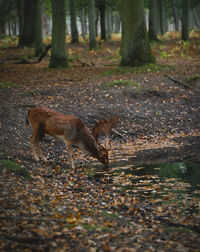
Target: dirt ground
(63, 209)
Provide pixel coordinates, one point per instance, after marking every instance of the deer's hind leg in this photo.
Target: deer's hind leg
(35, 140)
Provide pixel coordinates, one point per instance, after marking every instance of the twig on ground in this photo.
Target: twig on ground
(82, 63)
(181, 83)
(44, 53)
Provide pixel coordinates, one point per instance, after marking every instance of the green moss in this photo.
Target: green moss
(15, 168)
(123, 83)
(110, 216)
(181, 229)
(192, 78)
(6, 84)
(90, 227)
(164, 54)
(153, 67)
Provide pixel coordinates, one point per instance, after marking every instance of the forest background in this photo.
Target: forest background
(95, 59)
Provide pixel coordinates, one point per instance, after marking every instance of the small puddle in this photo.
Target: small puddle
(160, 182)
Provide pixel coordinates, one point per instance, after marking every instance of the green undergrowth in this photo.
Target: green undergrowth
(90, 227)
(121, 83)
(6, 84)
(15, 168)
(129, 88)
(141, 69)
(192, 78)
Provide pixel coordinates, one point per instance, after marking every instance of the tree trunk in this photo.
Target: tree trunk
(109, 22)
(96, 23)
(20, 6)
(135, 47)
(175, 16)
(154, 20)
(74, 31)
(116, 22)
(92, 30)
(102, 9)
(2, 27)
(196, 20)
(83, 21)
(58, 52)
(28, 29)
(5, 9)
(45, 27)
(185, 19)
(38, 44)
(163, 18)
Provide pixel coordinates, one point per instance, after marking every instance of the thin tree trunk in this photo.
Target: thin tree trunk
(163, 18)
(185, 19)
(74, 31)
(92, 31)
(28, 30)
(38, 44)
(196, 20)
(109, 22)
(154, 20)
(175, 16)
(58, 52)
(102, 9)
(83, 21)
(45, 26)
(96, 23)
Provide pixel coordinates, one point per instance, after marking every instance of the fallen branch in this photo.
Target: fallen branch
(44, 53)
(180, 82)
(118, 133)
(82, 63)
(178, 225)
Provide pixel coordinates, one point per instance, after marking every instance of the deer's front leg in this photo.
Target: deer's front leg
(69, 154)
(41, 153)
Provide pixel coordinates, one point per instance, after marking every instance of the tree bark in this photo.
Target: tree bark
(135, 47)
(58, 52)
(196, 20)
(92, 30)
(109, 22)
(102, 9)
(175, 16)
(163, 18)
(74, 31)
(38, 44)
(154, 20)
(83, 21)
(19, 4)
(28, 30)
(185, 19)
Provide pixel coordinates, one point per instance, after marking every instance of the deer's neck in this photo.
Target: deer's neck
(89, 144)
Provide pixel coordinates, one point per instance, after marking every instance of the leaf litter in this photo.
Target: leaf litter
(60, 209)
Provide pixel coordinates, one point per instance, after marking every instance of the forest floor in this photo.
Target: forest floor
(51, 207)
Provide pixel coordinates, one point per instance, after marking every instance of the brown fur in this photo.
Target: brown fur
(69, 128)
(105, 125)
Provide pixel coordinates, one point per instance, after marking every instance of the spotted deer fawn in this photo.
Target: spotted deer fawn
(68, 128)
(105, 125)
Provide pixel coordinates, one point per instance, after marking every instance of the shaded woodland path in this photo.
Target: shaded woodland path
(66, 209)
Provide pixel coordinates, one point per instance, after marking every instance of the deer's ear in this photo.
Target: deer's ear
(98, 127)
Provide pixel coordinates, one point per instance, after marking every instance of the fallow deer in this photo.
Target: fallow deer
(68, 128)
(105, 125)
